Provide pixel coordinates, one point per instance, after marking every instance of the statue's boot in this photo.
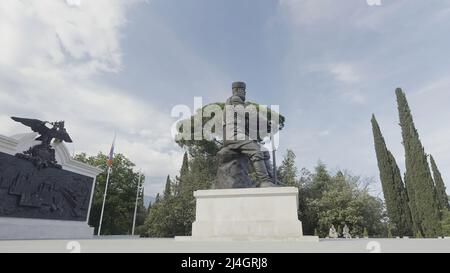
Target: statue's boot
(265, 181)
(270, 171)
(269, 168)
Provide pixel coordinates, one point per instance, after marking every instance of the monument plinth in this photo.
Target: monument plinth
(248, 214)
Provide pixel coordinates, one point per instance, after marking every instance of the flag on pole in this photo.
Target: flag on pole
(109, 162)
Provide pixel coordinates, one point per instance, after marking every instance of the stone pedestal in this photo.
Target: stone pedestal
(36, 229)
(247, 214)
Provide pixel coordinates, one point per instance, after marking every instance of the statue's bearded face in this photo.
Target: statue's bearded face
(240, 92)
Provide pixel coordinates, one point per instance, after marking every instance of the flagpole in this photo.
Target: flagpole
(104, 201)
(109, 163)
(136, 205)
(272, 139)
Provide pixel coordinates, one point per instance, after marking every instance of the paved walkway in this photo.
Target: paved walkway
(134, 245)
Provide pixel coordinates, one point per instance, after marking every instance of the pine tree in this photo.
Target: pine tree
(419, 182)
(183, 203)
(168, 189)
(183, 185)
(393, 188)
(441, 195)
(183, 179)
(321, 180)
(288, 171)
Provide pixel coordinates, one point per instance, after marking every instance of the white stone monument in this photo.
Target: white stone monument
(248, 214)
(30, 228)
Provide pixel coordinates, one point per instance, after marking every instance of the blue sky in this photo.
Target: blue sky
(112, 65)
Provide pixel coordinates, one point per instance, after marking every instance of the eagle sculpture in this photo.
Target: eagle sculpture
(43, 155)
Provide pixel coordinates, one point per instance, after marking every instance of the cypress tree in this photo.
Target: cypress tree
(183, 207)
(157, 199)
(419, 182)
(441, 195)
(412, 205)
(149, 207)
(185, 165)
(183, 179)
(168, 189)
(393, 188)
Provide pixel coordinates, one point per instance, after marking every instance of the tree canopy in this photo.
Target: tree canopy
(121, 196)
(210, 141)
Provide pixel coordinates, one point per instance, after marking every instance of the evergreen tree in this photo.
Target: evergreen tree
(393, 189)
(412, 205)
(175, 213)
(183, 179)
(287, 171)
(168, 188)
(185, 165)
(419, 182)
(182, 209)
(441, 195)
(149, 207)
(320, 180)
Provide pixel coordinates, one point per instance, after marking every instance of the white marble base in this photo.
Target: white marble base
(26, 229)
(304, 239)
(247, 214)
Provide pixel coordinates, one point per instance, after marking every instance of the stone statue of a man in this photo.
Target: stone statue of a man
(333, 233)
(236, 152)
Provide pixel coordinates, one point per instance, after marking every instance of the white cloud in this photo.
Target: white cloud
(344, 72)
(51, 51)
(354, 96)
(73, 2)
(374, 2)
(305, 12)
(324, 133)
(49, 33)
(348, 78)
